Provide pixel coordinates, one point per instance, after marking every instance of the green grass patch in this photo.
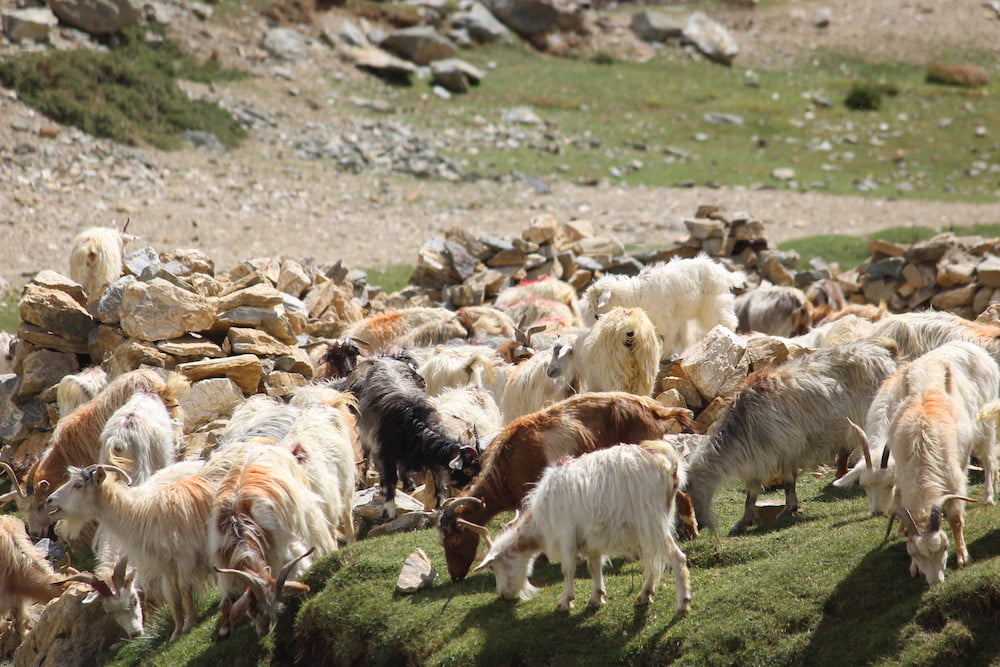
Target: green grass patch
(814, 590)
(392, 278)
(129, 94)
(10, 319)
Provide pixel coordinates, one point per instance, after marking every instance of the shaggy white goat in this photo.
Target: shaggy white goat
(77, 389)
(674, 295)
(96, 259)
(618, 500)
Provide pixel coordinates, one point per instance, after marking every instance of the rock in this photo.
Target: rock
(821, 17)
(260, 295)
(286, 43)
(203, 141)
(54, 310)
(955, 275)
(190, 347)
(244, 369)
(379, 61)
(133, 353)
(988, 271)
(652, 26)
(293, 279)
(280, 384)
(44, 338)
(531, 19)
(406, 523)
(671, 398)
(888, 268)
(705, 229)
(954, 298)
(456, 75)
(158, 310)
(368, 504)
(931, 250)
(208, 400)
(766, 352)
(522, 116)
(43, 368)
(710, 38)
(480, 24)
(332, 301)
(70, 631)
(417, 573)
(419, 44)
(717, 362)
(109, 305)
(97, 17)
(252, 341)
(887, 248)
(32, 23)
(783, 174)
(713, 411)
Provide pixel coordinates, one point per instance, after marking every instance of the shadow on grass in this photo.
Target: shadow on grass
(864, 614)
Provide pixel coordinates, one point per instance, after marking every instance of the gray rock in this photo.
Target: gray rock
(137, 262)
(97, 17)
(821, 17)
(717, 362)
(714, 118)
(522, 116)
(481, 25)
(455, 74)
(33, 23)
(43, 368)
(419, 44)
(378, 61)
(406, 523)
(70, 631)
(652, 26)
(710, 38)
(203, 141)
(528, 18)
(286, 43)
(159, 310)
(417, 573)
(208, 400)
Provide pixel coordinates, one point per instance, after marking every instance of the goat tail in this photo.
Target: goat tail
(990, 412)
(673, 416)
(175, 388)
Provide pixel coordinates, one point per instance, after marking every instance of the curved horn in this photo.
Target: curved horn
(91, 580)
(108, 466)
(909, 526)
(885, 457)
(449, 506)
(13, 480)
(29, 484)
(255, 583)
(352, 339)
(481, 531)
(934, 525)
(888, 529)
(287, 568)
(865, 445)
(954, 496)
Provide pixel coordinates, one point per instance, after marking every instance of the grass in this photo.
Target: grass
(10, 319)
(392, 278)
(604, 114)
(129, 94)
(820, 589)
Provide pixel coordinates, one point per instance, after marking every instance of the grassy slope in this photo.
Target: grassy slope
(822, 589)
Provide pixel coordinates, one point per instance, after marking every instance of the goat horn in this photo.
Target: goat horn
(287, 568)
(255, 583)
(91, 580)
(108, 466)
(352, 339)
(954, 496)
(449, 506)
(13, 480)
(934, 525)
(29, 484)
(888, 529)
(482, 531)
(865, 446)
(885, 457)
(118, 576)
(907, 520)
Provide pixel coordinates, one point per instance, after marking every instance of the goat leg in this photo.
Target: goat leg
(791, 500)
(957, 522)
(595, 564)
(748, 515)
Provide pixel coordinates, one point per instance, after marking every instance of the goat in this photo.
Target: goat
(75, 390)
(618, 500)
(96, 259)
(264, 516)
(919, 333)
(530, 311)
(161, 525)
(826, 296)
(673, 295)
(930, 479)
(25, 574)
(118, 595)
(784, 419)
(381, 330)
(401, 431)
(775, 310)
(436, 332)
(76, 439)
(139, 437)
(973, 378)
(517, 455)
(458, 366)
(339, 360)
(621, 352)
(8, 348)
(466, 412)
(343, 402)
(546, 287)
(529, 387)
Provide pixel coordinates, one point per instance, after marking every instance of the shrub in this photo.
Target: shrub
(965, 75)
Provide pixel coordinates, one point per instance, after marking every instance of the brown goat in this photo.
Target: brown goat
(25, 575)
(516, 457)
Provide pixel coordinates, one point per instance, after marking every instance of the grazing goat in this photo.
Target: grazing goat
(785, 419)
(25, 574)
(930, 479)
(620, 353)
(161, 525)
(673, 295)
(339, 360)
(264, 516)
(546, 287)
(381, 330)
(529, 387)
(486, 323)
(517, 456)
(118, 595)
(612, 501)
(96, 259)
(140, 437)
(458, 366)
(968, 374)
(775, 310)
(467, 412)
(75, 390)
(532, 311)
(401, 431)
(919, 333)
(76, 439)
(826, 296)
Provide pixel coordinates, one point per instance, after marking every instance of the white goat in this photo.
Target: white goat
(457, 366)
(96, 259)
(160, 524)
(546, 287)
(118, 595)
(919, 333)
(620, 353)
(618, 500)
(8, 347)
(674, 295)
(777, 310)
(77, 389)
(530, 388)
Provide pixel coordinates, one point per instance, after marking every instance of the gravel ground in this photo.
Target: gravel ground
(259, 200)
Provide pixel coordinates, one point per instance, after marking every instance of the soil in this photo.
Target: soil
(261, 200)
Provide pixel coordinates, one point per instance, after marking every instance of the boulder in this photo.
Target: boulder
(653, 26)
(208, 400)
(159, 310)
(33, 24)
(717, 362)
(73, 629)
(244, 369)
(710, 38)
(417, 573)
(286, 43)
(455, 74)
(480, 24)
(43, 368)
(253, 341)
(529, 18)
(55, 310)
(419, 44)
(293, 279)
(97, 17)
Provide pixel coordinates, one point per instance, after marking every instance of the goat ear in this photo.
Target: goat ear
(485, 562)
(43, 486)
(92, 596)
(294, 588)
(456, 463)
(241, 607)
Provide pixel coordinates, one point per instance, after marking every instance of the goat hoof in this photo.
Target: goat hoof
(597, 601)
(644, 598)
(737, 530)
(565, 605)
(788, 512)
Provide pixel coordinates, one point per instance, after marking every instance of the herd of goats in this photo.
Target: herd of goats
(557, 424)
